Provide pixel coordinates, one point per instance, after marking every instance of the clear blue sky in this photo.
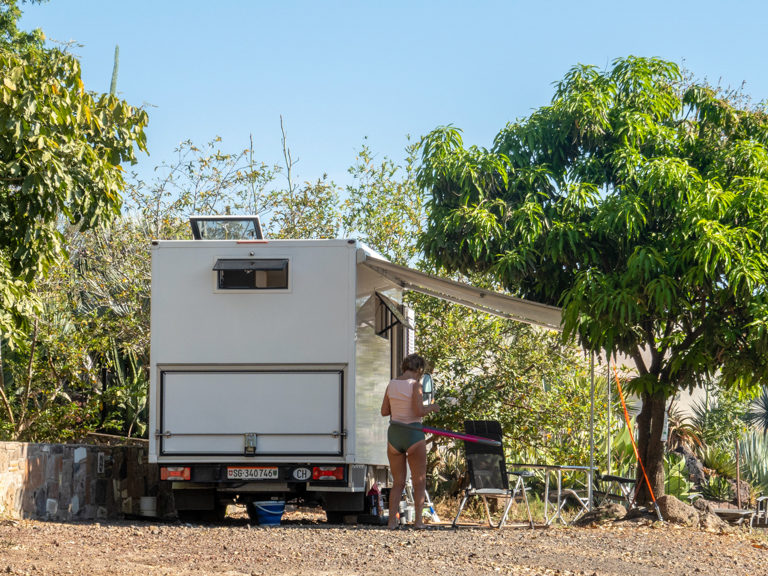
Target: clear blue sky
(339, 71)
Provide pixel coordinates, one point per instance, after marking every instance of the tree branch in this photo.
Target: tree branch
(28, 383)
(6, 403)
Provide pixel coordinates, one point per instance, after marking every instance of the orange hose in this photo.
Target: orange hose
(634, 445)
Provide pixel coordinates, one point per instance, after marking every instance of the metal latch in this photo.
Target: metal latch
(250, 444)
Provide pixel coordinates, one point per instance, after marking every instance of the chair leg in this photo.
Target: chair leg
(525, 498)
(461, 508)
(506, 510)
(519, 485)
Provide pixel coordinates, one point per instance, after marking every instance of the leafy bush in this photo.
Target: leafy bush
(717, 488)
(719, 459)
(676, 481)
(719, 422)
(754, 459)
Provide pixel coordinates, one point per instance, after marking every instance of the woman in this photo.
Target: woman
(403, 403)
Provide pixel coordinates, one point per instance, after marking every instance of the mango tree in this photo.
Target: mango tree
(637, 201)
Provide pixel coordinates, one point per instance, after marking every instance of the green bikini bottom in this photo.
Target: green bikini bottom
(403, 436)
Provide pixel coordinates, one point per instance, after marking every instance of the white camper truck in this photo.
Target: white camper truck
(269, 361)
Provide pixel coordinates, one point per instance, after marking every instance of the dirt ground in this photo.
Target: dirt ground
(305, 544)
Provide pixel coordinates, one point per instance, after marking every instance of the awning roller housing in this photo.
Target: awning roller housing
(486, 301)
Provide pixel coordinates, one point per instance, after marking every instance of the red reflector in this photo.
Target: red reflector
(328, 473)
(175, 473)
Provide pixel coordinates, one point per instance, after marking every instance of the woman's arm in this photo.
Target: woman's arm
(386, 409)
(417, 397)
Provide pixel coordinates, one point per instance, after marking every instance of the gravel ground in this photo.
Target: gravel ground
(305, 544)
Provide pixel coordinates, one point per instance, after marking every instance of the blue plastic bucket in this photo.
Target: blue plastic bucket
(269, 512)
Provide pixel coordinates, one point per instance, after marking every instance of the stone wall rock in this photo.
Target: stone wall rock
(78, 482)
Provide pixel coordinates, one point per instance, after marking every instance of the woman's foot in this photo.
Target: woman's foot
(392, 526)
(419, 526)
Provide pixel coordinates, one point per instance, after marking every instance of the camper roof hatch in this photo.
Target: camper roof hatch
(226, 227)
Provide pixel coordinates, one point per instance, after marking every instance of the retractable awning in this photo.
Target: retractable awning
(476, 298)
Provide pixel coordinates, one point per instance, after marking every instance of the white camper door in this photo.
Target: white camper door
(266, 413)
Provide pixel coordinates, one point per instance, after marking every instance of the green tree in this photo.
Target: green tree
(10, 36)
(384, 206)
(638, 202)
(61, 150)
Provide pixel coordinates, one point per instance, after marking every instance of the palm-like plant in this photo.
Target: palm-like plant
(754, 459)
(682, 431)
(757, 414)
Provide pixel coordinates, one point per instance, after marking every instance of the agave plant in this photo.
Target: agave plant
(682, 431)
(754, 459)
(757, 414)
(718, 459)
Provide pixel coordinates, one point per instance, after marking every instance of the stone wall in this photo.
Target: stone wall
(79, 482)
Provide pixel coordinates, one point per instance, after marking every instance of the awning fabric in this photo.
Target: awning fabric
(486, 301)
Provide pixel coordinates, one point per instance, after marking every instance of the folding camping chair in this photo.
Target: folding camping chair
(487, 470)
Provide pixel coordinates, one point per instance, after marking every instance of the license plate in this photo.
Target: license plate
(251, 473)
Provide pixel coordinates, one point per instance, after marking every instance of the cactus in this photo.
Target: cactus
(113, 84)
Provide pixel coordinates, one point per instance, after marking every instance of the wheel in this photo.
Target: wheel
(217, 514)
(334, 517)
(339, 516)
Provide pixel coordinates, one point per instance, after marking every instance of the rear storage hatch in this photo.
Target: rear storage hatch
(252, 413)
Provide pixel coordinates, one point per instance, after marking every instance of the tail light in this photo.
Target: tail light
(328, 473)
(177, 473)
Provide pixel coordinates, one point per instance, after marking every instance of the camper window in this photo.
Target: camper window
(262, 274)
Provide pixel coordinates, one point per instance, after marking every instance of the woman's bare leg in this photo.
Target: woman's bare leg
(417, 462)
(397, 466)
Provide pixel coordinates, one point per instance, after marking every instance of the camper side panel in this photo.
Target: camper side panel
(193, 322)
(216, 349)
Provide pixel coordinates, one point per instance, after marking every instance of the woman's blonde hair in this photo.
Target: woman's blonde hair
(413, 362)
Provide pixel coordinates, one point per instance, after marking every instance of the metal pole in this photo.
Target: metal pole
(591, 473)
(610, 404)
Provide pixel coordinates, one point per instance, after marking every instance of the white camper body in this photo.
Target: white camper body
(269, 362)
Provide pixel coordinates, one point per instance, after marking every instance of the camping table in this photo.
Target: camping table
(558, 470)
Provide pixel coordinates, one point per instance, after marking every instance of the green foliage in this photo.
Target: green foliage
(716, 488)
(682, 431)
(489, 368)
(201, 180)
(757, 413)
(61, 150)
(721, 460)
(637, 202)
(721, 423)
(10, 36)
(384, 207)
(754, 459)
(676, 481)
(623, 459)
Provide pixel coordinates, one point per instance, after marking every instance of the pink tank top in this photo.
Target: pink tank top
(401, 401)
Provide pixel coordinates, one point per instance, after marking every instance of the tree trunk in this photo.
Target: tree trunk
(650, 426)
